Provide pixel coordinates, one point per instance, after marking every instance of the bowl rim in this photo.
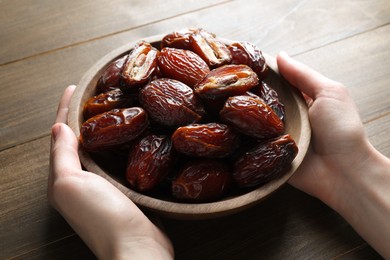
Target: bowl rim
(177, 209)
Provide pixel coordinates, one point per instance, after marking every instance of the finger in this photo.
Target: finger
(309, 100)
(63, 107)
(64, 157)
(301, 76)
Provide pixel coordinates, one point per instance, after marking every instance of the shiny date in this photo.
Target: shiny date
(247, 53)
(226, 81)
(271, 98)
(140, 66)
(110, 78)
(265, 162)
(251, 116)
(113, 128)
(178, 40)
(202, 180)
(212, 140)
(150, 161)
(214, 52)
(106, 101)
(171, 103)
(182, 65)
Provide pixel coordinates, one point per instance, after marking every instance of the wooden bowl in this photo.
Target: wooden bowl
(296, 122)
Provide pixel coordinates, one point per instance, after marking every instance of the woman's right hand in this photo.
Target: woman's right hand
(341, 167)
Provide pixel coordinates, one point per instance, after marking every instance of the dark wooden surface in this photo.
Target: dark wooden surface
(47, 45)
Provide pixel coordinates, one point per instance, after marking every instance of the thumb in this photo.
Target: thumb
(64, 158)
(301, 76)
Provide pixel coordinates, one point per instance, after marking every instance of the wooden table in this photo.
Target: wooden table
(47, 45)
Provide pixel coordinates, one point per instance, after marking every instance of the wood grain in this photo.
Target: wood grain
(47, 45)
(50, 73)
(69, 247)
(361, 63)
(103, 19)
(268, 232)
(303, 225)
(85, 20)
(378, 133)
(27, 221)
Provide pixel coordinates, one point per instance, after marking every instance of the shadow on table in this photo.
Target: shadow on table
(288, 225)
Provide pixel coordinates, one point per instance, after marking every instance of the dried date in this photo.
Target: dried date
(171, 103)
(247, 53)
(212, 140)
(140, 66)
(110, 78)
(271, 98)
(202, 180)
(182, 65)
(106, 101)
(265, 162)
(251, 116)
(150, 161)
(113, 128)
(214, 52)
(178, 40)
(226, 81)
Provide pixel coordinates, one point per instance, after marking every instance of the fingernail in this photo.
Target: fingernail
(72, 87)
(284, 54)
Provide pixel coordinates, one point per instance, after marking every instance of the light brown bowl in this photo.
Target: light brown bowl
(296, 121)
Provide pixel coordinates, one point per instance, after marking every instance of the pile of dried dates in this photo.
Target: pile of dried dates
(194, 113)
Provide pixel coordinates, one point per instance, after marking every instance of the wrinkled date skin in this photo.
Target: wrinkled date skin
(140, 66)
(251, 116)
(106, 101)
(202, 181)
(150, 161)
(248, 54)
(178, 40)
(265, 162)
(214, 52)
(271, 98)
(110, 78)
(171, 103)
(226, 81)
(212, 140)
(182, 65)
(113, 128)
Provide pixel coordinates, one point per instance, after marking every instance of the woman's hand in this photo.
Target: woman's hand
(338, 141)
(109, 223)
(341, 167)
